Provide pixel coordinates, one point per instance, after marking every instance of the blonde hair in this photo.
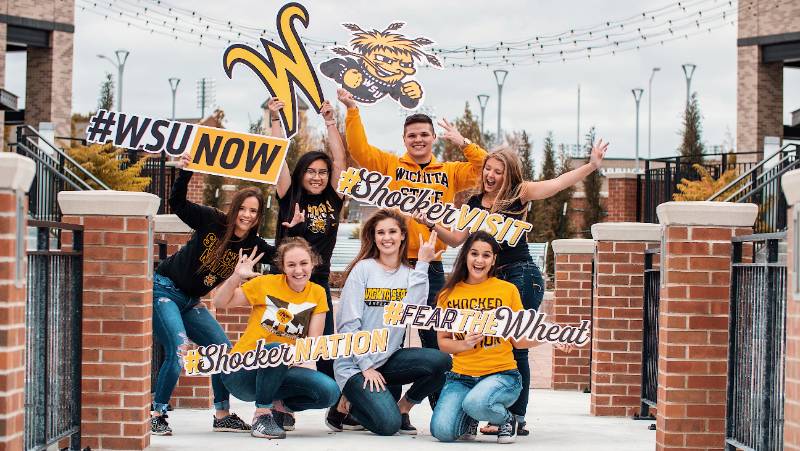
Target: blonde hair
(511, 189)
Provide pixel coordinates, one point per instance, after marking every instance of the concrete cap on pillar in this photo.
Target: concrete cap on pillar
(703, 213)
(573, 246)
(170, 224)
(16, 171)
(626, 231)
(108, 203)
(620, 175)
(791, 187)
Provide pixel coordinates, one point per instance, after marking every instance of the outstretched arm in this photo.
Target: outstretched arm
(284, 178)
(192, 214)
(547, 188)
(467, 173)
(367, 156)
(335, 143)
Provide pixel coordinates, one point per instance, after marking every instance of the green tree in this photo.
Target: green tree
(593, 211)
(106, 162)
(692, 147)
(106, 99)
(467, 124)
(544, 214)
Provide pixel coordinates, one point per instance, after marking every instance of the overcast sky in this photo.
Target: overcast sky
(537, 99)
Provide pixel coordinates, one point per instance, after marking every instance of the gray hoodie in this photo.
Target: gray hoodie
(367, 289)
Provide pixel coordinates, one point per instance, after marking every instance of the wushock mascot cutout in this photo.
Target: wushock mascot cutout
(281, 68)
(380, 63)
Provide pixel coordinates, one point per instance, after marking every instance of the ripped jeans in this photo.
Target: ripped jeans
(178, 318)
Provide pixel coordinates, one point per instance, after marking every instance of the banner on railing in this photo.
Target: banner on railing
(212, 150)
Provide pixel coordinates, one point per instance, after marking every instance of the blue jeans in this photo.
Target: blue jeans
(428, 336)
(178, 318)
(325, 366)
(377, 411)
(299, 388)
(484, 398)
(530, 283)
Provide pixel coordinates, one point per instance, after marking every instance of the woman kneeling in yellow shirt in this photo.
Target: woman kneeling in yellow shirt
(484, 381)
(286, 306)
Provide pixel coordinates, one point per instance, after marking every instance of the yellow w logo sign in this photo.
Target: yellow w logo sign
(281, 68)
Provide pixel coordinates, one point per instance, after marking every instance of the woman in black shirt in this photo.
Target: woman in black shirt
(309, 205)
(205, 261)
(503, 190)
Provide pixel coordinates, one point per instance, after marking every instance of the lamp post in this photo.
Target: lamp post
(500, 77)
(688, 71)
(637, 95)
(173, 85)
(483, 99)
(650, 112)
(122, 56)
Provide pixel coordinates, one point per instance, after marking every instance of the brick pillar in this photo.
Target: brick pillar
(3, 43)
(49, 83)
(16, 174)
(617, 316)
(693, 320)
(192, 392)
(572, 303)
(621, 203)
(117, 314)
(791, 427)
(759, 99)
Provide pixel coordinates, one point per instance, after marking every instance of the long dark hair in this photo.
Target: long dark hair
(296, 190)
(368, 247)
(230, 219)
(460, 271)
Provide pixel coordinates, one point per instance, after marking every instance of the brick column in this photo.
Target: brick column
(617, 316)
(49, 83)
(117, 314)
(791, 428)
(16, 174)
(3, 44)
(759, 99)
(621, 202)
(693, 320)
(572, 303)
(192, 392)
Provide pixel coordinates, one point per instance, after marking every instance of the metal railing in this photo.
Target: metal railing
(54, 305)
(662, 175)
(757, 344)
(161, 175)
(652, 295)
(55, 171)
(762, 186)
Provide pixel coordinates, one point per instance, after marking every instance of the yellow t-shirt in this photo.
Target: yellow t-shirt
(280, 314)
(492, 354)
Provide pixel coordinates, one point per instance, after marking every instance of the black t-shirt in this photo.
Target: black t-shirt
(508, 254)
(320, 226)
(192, 268)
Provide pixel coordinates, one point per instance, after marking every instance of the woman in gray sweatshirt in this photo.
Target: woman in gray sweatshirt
(371, 383)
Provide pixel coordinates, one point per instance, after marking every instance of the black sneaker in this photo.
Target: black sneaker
(286, 420)
(335, 419)
(266, 427)
(507, 431)
(521, 430)
(406, 427)
(351, 424)
(472, 430)
(231, 423)
(159, 425)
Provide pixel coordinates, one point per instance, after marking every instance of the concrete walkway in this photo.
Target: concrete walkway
(560, 422)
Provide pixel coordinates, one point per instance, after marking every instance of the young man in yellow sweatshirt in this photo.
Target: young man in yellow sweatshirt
(417, 169)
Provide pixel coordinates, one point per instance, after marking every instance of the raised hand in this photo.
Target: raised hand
(327, 112)
(275, 105)
(421, 218)
(598, 153)
(346, 98)
(183, 161)
(427, 249)
(451, 133)
(244, 267)
(299, 216)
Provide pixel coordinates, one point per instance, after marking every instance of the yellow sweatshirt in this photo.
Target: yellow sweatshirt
(445, 178)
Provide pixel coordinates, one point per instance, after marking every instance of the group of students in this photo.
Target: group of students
(466, 377)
